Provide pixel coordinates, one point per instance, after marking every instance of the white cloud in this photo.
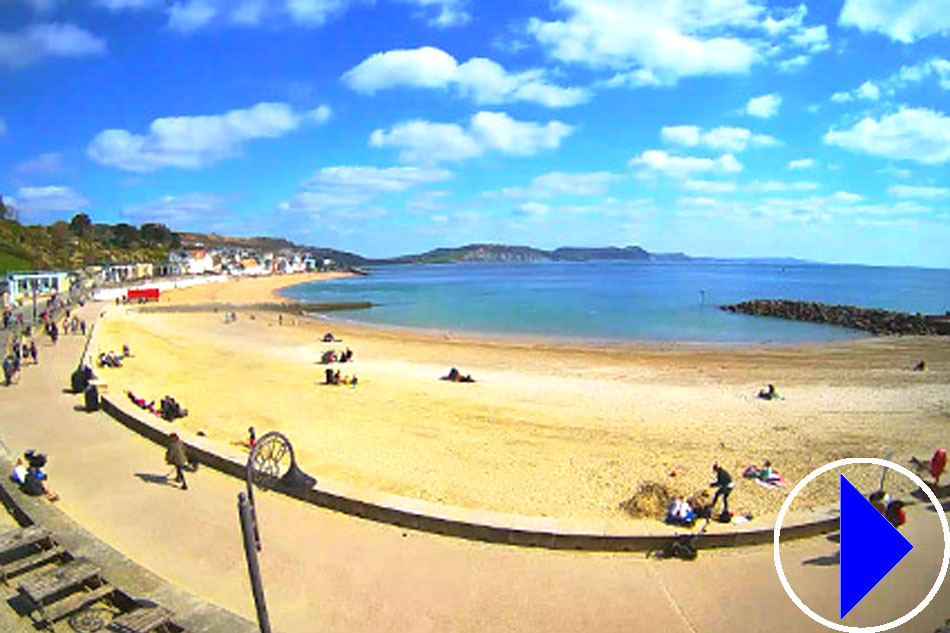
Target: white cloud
(49, 163)
(653, 162)
(763, 107)
(846, 197)
(918, 72)
(314, 12)
(482, 80)
(196, 141)
(672, 39)
(710, 186)
(37, 42)
(780, 186)
(794, 64)
(920, 192)
(902, 20)
(352, 191)
(813, 39)
(178, 211)
(375, 179)
(559, 183)
(868, 91)
(801, 163)
(448, 12)
(426, 142)
(916, 134)
(41, 202)
(656, 43)
(729, 139)
(186, 17)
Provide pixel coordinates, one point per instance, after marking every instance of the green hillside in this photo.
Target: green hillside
(78, 243)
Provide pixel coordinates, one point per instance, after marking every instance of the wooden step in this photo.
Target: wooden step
(75, 602)
(142, 620)
(29, 562)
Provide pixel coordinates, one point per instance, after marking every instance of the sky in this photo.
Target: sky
(725, 128)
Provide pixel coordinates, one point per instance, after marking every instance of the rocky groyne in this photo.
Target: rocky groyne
(876, 321)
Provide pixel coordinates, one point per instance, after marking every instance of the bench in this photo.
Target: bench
(29, 562)
(142, 620)
(44, 590)
(22, 537)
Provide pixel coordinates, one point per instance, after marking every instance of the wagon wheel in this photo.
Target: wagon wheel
(271, 458)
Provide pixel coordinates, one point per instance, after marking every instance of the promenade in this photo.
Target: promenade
(324, 571)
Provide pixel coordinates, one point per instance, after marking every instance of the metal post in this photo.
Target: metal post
(253, 568)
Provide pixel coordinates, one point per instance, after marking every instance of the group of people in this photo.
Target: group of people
(9, 319)
(685, 512)
(330, 356)
(74, 325)
(336, 378)
(30, 476)
(170, 410)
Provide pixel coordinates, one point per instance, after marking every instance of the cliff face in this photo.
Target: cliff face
(878, 322)
(612, 252)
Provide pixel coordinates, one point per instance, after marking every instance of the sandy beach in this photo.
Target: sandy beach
(550, 429)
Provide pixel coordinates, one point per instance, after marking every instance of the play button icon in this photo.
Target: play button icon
(870, 547)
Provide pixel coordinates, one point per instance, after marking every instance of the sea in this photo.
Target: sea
(625, 300)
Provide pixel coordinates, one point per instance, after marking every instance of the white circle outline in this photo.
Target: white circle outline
(864, 629)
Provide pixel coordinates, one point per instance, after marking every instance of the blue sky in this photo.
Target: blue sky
(720, 128)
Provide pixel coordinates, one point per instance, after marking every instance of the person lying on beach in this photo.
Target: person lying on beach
(329, 338)
(455, 375)
(769, 393)
(766, 475)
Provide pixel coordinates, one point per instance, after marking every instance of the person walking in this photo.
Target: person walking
(723, 486)
(176, 456)
(33, 353)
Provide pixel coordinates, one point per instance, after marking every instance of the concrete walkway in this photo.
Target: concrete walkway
(325, 571)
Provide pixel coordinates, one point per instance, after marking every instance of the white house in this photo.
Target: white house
(196, 262)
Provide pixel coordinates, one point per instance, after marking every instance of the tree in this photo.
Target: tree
(7, 211)
(125, 235)
(59, 233)
(80, 224)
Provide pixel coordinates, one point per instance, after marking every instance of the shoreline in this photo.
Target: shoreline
(550, 429)
(522, 338)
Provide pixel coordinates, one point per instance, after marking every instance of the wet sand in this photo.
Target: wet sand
(550, 428)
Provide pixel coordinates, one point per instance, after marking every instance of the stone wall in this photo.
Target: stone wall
(878, 322)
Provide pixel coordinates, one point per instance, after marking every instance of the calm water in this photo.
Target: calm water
(626, 300)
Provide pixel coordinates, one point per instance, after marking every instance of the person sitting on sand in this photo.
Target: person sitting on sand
(679, 512)
(328, 376)
(769, 393)
(879, 500)
(337, 379)
(894, 512)
(329, 338)
(921, 366)
(700, 505)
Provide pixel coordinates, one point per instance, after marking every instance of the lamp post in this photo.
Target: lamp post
(271, 465)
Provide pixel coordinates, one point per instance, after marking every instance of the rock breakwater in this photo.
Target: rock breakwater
(876, 321)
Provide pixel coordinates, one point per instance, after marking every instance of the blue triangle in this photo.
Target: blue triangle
(870, 547)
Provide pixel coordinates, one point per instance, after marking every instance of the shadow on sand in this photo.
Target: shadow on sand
(151, 478)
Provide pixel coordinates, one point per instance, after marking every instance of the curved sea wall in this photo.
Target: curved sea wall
(876, 321)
